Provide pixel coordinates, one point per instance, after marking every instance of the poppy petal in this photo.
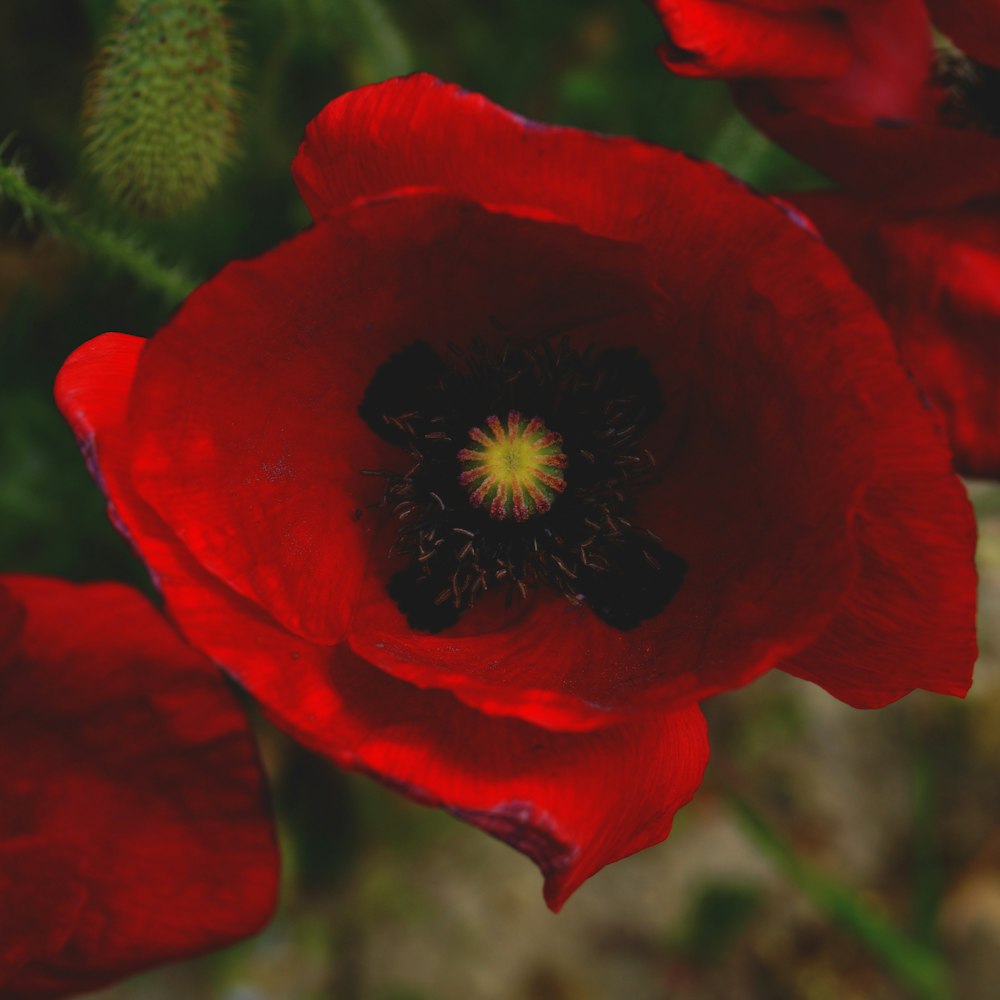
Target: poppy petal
(878, 161)
(936, 279)
(133, 823)
(716, 38)
(909, 617)
(847, 61)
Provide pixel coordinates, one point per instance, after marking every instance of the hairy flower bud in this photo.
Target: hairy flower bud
(159, 111)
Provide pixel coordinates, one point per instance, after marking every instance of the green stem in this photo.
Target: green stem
(920, 969)
(926, 868)
(115, 250)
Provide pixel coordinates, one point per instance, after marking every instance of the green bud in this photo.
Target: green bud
(160, 106)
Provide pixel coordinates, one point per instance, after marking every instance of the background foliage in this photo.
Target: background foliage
(385, 900)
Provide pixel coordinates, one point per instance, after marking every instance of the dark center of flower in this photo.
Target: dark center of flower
(496, 500)
(513, 469)
(972, 92)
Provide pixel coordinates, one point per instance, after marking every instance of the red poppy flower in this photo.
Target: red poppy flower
(133, 823)
(618, 464)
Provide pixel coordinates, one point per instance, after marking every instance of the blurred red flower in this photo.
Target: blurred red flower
(637, 439)
(845, 60)
(913, 143)
(134, 827)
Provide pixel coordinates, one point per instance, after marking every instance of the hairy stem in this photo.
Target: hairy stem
(117, 251)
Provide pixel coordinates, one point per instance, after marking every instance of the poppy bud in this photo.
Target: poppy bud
(160, 107)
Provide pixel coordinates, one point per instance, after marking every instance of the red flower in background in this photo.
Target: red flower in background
(846, 60)
(616, 464)
(133, 821)
(936, 278)
(914, 146)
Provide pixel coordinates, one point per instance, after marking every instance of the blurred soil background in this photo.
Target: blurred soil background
(386, 900)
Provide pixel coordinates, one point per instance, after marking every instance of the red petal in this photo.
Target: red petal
(133, 824)
(572, 802)
(909, 166)
(851, 60)
(797, 40)
(905, 623)
(936, 279)
(11, 620)
(246, 435)
(875, 128)
(973, 25)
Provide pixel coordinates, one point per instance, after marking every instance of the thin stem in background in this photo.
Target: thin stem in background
(113, 249)
(919, 968)
(927, 874)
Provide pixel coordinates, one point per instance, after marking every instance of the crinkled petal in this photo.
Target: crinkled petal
(134, 827)
(573, 802)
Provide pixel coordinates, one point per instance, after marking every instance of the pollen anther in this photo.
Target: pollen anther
(514, 470)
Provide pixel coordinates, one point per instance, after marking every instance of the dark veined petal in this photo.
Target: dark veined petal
(134, 827)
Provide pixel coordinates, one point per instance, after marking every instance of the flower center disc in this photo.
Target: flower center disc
(515, 470)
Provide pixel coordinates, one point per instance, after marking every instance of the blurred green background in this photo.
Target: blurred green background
(385, 900)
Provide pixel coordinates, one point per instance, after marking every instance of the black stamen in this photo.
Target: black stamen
(581, 540)
(972, 92)
(637, 584)
(397, 393)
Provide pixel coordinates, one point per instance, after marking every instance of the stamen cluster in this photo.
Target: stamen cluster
(972, 92)
(525, 463)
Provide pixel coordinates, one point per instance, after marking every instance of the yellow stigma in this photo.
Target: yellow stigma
(515, 470)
